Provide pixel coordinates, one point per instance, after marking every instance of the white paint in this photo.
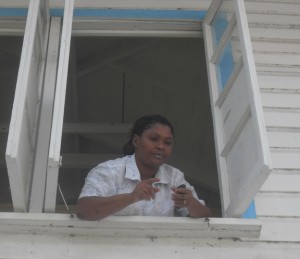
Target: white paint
(120, 4)
(58, 112)
(22, 130)
(43, 139)
(282, 181)
(239, 120)
(129, 226)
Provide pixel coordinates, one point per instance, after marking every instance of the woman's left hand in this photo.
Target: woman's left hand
(182, 197)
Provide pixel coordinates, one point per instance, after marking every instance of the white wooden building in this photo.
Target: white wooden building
(76, 74)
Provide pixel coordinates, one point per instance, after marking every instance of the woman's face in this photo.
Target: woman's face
(154, 146)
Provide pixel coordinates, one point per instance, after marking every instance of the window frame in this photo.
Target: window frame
(210, 227)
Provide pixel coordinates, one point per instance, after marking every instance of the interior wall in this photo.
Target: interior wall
(10, 53)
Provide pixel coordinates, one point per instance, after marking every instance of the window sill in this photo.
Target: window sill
(132, 226)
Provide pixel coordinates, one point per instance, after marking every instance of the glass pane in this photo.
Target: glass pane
(228, 59)
(221, 21)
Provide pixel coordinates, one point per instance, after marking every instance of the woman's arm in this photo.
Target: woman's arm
(197, 210)
(96, 208)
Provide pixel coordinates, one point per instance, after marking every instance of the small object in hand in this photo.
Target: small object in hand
(181, 186)
(176, 208)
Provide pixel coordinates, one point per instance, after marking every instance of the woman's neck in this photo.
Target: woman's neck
(146, 172)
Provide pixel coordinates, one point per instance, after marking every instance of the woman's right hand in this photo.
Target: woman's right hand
(145, 190)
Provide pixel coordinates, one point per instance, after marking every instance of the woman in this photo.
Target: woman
(141, 183)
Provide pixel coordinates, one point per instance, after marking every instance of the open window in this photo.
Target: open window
(116, 76)
(122, 77)
(112, 70)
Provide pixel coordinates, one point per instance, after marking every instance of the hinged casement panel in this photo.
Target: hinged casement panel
(22, 131)
(54, 160)
(38, 186)
(241, 142)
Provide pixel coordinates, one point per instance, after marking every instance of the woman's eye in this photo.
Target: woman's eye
(154, 139)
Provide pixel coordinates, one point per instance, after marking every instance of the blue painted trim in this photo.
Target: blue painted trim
(250, 213)
(156, 14)
(111, 13)
(13, 12)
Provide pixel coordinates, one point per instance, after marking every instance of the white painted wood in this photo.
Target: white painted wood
(270, 47)
(281, 181)
(211, 12)
(241, 124)
(217, 116)
(284, 138)
(57, 246)
(132, 33)
(276, 1)
(280, 230)
(43, 139)
(283, 118)
(274, 21)
(291, 59)
(120, 4)
(22, 130)
(133, 27)
(141, 4)
(285, 158)
(277, 70)
(279, 82)
(129, 226)
(249, 63)
(58, 113)
(275, 34)
(276, 7)
(278, 204)
(281, 99)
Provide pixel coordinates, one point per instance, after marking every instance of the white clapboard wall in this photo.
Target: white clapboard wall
(275, 33)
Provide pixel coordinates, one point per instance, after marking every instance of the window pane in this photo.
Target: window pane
(228, 59)
(221, 21)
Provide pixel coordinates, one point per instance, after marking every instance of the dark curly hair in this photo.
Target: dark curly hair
(142, 124)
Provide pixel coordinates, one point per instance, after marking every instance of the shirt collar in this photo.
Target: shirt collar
(132, 172)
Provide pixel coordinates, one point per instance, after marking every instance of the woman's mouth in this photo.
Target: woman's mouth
(159, 156)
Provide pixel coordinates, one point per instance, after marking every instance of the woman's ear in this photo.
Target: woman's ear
(135, 140)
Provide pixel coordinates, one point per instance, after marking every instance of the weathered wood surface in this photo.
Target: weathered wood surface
(58, 238)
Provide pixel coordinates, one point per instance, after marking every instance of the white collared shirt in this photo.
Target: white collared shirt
(122, 175)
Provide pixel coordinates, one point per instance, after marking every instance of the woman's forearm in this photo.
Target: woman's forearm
(96, 208)
(197, 210)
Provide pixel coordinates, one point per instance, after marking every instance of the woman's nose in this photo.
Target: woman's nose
(160, 145)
